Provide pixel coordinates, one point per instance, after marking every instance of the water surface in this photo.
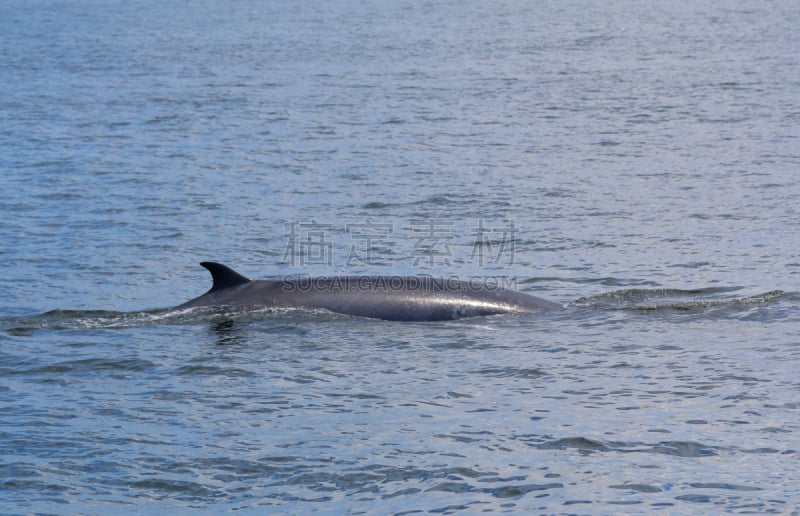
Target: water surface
(635, 162)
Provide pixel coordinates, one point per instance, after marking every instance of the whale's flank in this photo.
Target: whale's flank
(396, 298)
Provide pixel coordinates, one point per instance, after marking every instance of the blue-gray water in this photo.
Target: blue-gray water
(635, 161)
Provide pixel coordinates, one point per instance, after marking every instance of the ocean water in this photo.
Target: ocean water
(634, 161)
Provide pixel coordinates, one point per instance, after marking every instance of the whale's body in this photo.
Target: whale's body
(395, 298)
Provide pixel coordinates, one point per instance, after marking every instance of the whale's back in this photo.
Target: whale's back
(396, 298)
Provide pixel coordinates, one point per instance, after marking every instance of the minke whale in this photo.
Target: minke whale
(393, 298)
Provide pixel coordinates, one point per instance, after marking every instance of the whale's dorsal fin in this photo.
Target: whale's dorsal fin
(224, 277)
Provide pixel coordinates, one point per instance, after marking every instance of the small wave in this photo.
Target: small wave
(511, 372)
(683, 449)
(586, 446)
(78, 320)
(114, 367)
(65, 320)
(178, 488)
(674, 299)
(504, 491)
(723, 485)
(210, 370)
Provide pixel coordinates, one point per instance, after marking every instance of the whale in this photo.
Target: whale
(392, 298)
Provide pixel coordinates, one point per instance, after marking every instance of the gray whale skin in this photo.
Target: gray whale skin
(394, 298)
